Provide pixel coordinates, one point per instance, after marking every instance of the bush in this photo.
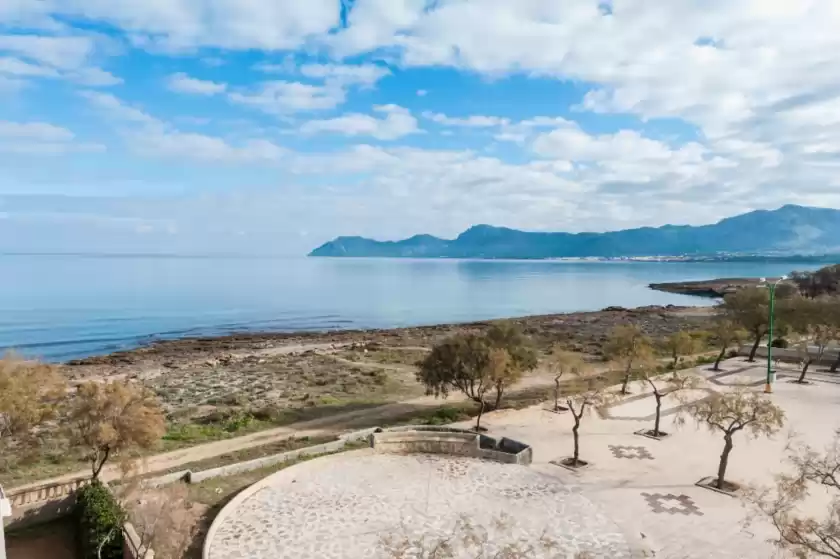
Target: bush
(780, 343)
(99, 523)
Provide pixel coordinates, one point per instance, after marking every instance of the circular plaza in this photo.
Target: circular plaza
(359, 503)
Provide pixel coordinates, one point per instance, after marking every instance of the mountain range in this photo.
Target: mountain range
(788, 230)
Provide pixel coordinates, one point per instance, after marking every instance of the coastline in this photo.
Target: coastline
(714, 289)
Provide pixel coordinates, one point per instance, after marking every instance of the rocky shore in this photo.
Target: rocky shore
(716, 288)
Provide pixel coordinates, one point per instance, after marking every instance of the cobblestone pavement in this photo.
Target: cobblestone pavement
(342, 507)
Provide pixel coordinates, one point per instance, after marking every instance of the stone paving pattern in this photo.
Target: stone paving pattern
(340, 507)
(614, 505)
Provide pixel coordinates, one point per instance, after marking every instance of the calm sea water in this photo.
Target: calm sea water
(62, 307)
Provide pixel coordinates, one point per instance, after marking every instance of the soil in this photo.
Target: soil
(236, 392)
(570, 463)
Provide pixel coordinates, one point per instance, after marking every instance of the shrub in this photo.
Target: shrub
(99, 523)
(781, 343)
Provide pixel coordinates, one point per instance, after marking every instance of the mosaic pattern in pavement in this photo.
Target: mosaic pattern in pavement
(343, 506)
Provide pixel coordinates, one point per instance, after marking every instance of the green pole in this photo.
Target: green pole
(768, 387)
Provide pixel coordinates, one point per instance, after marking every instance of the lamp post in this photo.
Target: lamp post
(768, 386)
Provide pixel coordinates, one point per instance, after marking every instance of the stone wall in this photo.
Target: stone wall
(457, 442)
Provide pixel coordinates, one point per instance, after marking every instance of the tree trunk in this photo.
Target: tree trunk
(556, 393)
(576, 456)
(626, 381)
(98, 464)
(499, 394)
(724, 461)
(801, 379)
(658, 397)
(480, 413)
(836, 364)
(755, 347)
(675, 363)
(720, 358)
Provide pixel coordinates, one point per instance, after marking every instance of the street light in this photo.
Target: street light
(768, 386)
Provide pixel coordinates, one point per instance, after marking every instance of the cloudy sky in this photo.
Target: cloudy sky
(272, 126)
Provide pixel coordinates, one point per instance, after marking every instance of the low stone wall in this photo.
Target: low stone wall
(34, 505)
(448, 440)
(789, 355)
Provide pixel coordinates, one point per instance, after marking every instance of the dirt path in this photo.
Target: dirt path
(333, 424)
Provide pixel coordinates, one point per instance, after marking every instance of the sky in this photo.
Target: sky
(272, 126)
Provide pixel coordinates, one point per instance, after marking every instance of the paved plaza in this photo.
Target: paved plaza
(637, 498)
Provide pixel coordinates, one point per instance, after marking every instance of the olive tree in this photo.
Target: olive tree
(662, 388)
(522, 356)
(560, 364)
(630, 350)
(107, 419)
(584, 394)
(680, 344)
(463, 362)
(749, 309)
(726, 333)
(800, 532)
(732, 412)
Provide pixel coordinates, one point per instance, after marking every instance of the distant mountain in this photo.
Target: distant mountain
(788, 230)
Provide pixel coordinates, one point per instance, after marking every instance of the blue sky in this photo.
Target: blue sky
(271, 126)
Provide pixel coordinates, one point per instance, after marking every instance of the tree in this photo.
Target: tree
(463, 360)
(506, 336)
(585, 393)
(825, 281)
(726, 333)
(732, 412)
(813, 348)
(749, 309)
(560, 364)
(29, 393)
(631, 350)
(680, 344)
(108, 418)
(799, 533)
(496, 373)
(663, 388)
(165, 519)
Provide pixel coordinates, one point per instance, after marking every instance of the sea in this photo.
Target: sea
(60, 307)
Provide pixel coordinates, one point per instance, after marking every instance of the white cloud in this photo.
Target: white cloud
(115, 108)
(15, 67)
(422, 93)
(346, 74)
(156, 138)
(94, 77)
(473, 121)
(191, 24)
(40, 131)
(183, 83)
(66, 53)
(397, 123)
(40, 138)
(282, 97)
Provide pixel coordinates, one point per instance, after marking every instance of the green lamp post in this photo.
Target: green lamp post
(768, 386)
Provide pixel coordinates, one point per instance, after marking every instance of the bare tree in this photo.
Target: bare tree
(469, 539)
(630, 350)
(732, 412)
(800, 533)
(813, 348)
(726, 333)
(560, 364)
(663, 388)
(584, 394)
(165, 519)
(108, 418)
